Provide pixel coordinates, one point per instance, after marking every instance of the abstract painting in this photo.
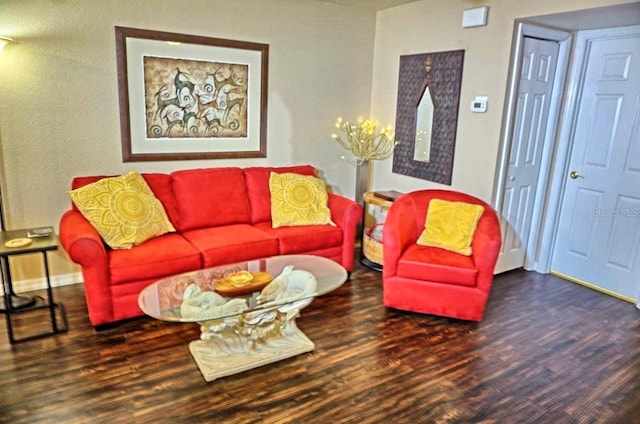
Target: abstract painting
(190, 97)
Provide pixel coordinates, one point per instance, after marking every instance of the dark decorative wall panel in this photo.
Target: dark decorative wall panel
(442, 73)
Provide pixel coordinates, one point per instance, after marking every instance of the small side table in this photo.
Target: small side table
(38, 245)
(372, 249)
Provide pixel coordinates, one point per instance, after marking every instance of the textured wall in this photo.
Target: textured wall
(59, 113)
(434, 26)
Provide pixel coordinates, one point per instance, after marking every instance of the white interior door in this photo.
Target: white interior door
(538, 67)
(598, 234)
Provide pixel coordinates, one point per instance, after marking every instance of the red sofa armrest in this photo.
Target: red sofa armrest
(80, 240)
(85, 247)
(346, 214)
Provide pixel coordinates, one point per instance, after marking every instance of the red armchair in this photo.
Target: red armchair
(432, 280)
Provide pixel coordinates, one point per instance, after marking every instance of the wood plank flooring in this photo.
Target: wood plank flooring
(548, 351)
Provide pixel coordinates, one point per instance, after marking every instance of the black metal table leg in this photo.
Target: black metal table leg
(27, 304)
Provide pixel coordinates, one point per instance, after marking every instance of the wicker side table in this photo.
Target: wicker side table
(376, 205)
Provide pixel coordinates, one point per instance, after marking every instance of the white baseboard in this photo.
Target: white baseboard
(20, 286)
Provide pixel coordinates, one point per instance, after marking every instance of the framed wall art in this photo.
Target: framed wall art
(427, 114)
(190, 97)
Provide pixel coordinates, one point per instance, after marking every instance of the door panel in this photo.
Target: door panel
(581, 242)
(622, 248)
(599, 226)
(601, 131)
(538, 66)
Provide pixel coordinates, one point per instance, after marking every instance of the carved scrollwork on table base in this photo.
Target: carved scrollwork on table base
(235, 339)
(221, 357)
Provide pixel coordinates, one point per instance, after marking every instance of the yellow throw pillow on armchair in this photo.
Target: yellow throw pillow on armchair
(123, 210)
(450, 225)
(298, 200)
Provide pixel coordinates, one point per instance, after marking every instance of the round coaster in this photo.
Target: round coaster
(18, 242)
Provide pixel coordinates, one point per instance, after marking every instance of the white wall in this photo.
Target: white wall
(59, 115)
(433, 26)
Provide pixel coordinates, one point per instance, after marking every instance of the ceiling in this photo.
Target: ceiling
(374, 5)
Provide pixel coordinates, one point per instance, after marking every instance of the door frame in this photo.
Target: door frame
(537, 257)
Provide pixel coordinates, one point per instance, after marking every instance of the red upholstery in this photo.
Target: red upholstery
(304, 238)
(223, 215)
(210, 197)
(167, 254)
(432, 280)
(232, 243)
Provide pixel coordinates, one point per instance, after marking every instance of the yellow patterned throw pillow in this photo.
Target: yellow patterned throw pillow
(450, 225)
(298, 200)
(123, 210)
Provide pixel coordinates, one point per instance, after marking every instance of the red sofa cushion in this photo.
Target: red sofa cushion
(232, 243)
(305, 238)
(210, 197)
(257, 183)
(160, 184)
(437, 265)
(161, 256)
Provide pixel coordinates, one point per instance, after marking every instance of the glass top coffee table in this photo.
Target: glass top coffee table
(246, 310)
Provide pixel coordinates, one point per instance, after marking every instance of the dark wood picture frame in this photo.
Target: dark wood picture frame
(162, 112)
(442, 73)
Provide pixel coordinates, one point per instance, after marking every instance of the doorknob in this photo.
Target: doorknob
(574, 175)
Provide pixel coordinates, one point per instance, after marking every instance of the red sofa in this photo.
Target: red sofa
(432, 280)
(222, 215)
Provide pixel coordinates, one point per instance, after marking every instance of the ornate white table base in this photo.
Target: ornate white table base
(220, 357)
(241, 340)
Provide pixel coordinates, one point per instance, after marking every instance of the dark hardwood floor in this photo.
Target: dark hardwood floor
(548, 351)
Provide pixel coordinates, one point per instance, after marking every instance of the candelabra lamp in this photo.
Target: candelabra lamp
(365, 143)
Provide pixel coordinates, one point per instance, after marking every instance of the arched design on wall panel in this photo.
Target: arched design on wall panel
(428, 83)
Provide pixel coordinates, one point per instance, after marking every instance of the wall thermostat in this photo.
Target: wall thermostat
(479, 104)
